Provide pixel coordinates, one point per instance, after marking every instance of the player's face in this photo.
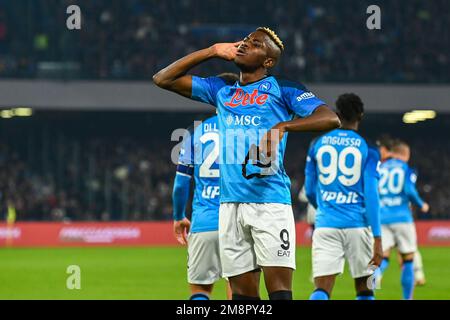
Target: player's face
(252, 53)
(384, 153)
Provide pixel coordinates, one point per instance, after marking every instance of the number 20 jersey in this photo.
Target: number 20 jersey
(338, 160)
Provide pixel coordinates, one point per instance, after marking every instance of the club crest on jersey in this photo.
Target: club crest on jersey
(265, 86)
(241, 98)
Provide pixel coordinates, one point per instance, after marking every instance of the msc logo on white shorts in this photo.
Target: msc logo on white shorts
(304, 96)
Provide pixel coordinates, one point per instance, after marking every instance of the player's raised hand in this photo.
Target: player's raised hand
(377, 253)
(226, 51)
(181, 229)
(425, 208)
(270, 141)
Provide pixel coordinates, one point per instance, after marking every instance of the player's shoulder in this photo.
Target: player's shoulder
(212, 119)
(372, 149)
(227, 78)
(288, 83)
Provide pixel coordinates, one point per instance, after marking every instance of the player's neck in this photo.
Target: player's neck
(249, 77)
(350, 126)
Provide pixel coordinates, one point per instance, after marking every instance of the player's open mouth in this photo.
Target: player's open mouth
(240, 52)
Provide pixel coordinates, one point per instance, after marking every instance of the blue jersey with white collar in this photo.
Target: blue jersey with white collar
(397, 190)
(245, 113)
(341, 180)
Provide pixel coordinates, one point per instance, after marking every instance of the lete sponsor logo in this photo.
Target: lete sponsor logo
(241, 98)
(439, 234)
(99, 234)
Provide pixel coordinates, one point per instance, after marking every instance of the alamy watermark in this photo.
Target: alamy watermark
(73, 281)
(373, 22)
(73, 21)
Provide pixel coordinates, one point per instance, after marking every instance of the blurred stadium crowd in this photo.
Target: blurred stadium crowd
(119, 168)
(325, 40)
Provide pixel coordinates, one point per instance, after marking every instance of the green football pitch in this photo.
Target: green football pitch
(160, 273)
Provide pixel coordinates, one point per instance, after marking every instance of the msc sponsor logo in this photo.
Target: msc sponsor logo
(241, 98)
(243, 120)
(210, 192)
(339, 197)
(306, 95)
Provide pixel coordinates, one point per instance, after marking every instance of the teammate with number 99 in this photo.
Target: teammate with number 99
(341, 181)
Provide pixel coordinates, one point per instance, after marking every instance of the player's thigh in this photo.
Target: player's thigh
(387, 239)
(204, 265)
(236, 244)
(327, 252)
(406, 237)
(272, 228)
(359, 251)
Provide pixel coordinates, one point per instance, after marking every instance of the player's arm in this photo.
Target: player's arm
(181, 188)
(313, 114)
(311, 178)
(175, 78)
(372, 202)
(412, 193)
(322, 119)
(180, 198)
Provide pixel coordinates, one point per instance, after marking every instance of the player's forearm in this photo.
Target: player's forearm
(180, 196)
(371, 198)
(414, 196)
(310, 190)
(322, 119)
(166, 77)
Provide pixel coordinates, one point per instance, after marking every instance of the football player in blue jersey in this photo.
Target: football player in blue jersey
(199, 159)
(397, 190)
(341, 181)
(256, 222)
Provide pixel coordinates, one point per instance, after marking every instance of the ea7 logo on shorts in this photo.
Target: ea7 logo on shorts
(284, 253)
(304, 96)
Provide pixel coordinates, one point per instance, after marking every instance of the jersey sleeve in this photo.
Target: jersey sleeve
(411, 190)
(311, 177)
(371, 194)
(205, 89)
(186, 157)
(298, 98)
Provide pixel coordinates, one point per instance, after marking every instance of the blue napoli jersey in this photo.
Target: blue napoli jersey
(338, 162)
(397, 189)
(201, 151)
(245, 113)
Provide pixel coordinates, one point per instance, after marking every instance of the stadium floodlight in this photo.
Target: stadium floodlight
(6, 114)
(23, 112)
(415, 116)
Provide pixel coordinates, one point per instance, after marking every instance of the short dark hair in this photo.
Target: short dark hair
(385, 141)
(349, 107)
